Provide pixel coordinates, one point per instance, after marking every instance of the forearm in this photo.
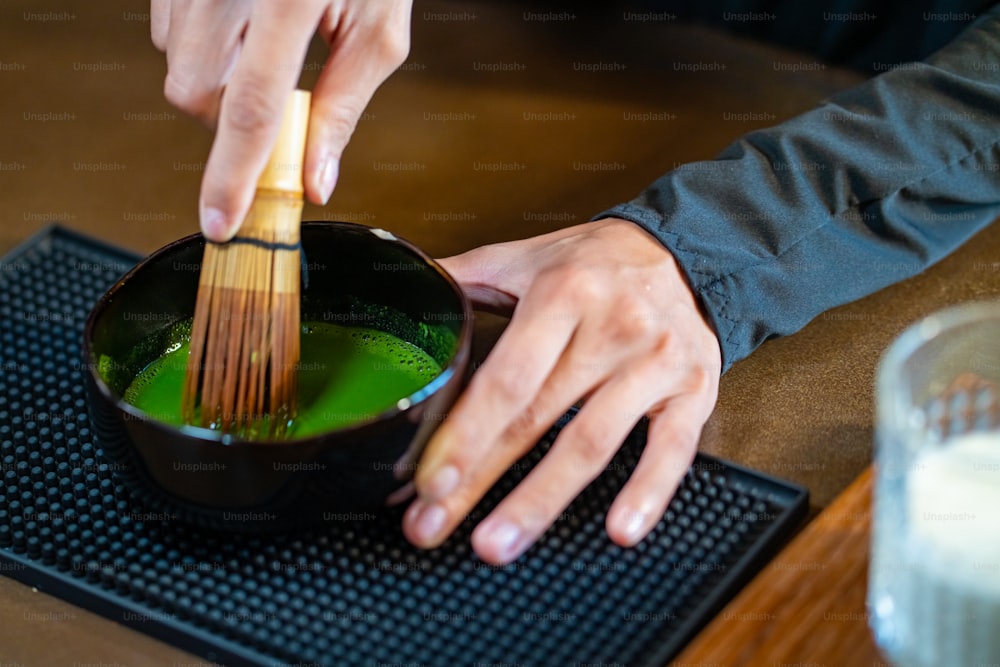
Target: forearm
(870, 188)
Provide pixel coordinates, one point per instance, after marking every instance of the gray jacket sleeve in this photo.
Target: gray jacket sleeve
(871, 187)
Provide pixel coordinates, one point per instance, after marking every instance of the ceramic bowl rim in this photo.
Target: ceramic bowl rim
(211, 437)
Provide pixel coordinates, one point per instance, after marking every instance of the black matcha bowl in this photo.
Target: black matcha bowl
(352, 275)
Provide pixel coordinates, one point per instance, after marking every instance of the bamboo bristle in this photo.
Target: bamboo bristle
(242, 374)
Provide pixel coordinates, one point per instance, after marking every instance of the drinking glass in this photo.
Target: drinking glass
(934, 575)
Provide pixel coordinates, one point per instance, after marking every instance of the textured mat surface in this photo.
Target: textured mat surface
(352, 591)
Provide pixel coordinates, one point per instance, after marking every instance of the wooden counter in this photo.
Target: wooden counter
(807, 607)
(496, 128)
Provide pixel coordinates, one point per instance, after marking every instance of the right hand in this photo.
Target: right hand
(233, 63)
(601, 312)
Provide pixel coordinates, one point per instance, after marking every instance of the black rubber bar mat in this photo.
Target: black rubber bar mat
(352, 591)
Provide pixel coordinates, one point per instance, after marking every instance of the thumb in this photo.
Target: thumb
(488, 277)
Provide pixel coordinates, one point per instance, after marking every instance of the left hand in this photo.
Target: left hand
(601, 312)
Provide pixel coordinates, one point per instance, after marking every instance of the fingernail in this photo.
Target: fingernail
(505, 539)
(328, 178)
(441, 483)
(213, 225)
(429, 523)
(634, 523)
(400, 495)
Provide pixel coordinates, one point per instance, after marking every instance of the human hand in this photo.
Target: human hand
(602, 312)
(253, 53)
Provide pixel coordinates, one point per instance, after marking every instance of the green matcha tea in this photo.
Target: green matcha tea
(346, 375)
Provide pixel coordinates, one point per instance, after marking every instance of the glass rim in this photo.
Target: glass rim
(926, 329)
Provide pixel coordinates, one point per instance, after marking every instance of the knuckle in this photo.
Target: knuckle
(592, 450)
(694, 377)
(179, 93)
(683, 441)
(506, 385)
(633, 322)
(341, 118)
(526, 425)
(461, 427)
(699, 380)
(536, 508)
(249, 109)
(393, 47)
(392, 37)
(664, 352)
(586, 285)
(558, 276)
(159, 38)
(571, 284)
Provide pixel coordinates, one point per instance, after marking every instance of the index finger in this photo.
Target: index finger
(498, 393)
(274, 49)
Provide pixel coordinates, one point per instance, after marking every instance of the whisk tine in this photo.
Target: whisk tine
(242, 370)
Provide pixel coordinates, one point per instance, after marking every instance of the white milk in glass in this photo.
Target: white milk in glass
(937, 576)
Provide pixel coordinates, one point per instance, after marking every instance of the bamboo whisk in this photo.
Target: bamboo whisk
(242, 370)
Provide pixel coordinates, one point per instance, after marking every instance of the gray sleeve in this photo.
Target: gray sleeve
(871, 187)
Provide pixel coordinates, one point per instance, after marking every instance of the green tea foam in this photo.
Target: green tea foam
(347, 375)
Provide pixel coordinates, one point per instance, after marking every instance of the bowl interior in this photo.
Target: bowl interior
(352, 276)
